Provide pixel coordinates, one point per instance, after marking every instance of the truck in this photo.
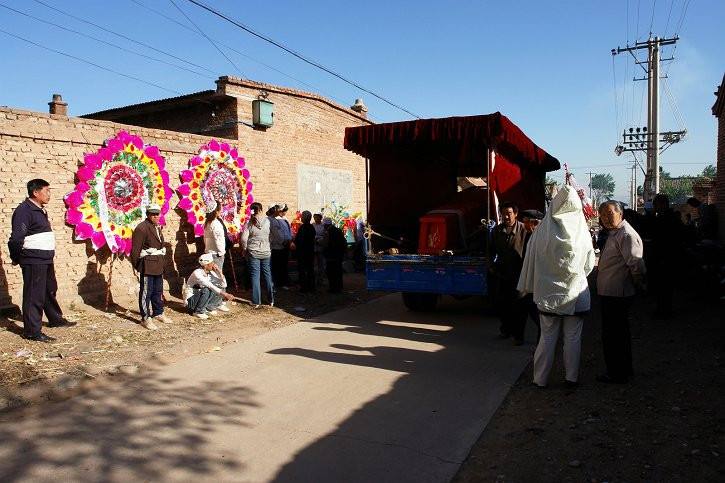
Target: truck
(433, 190)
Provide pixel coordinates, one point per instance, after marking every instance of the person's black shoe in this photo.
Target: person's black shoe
(607, 379)
(39, 338)
(570, 384)
(518, 342)
(62, 323)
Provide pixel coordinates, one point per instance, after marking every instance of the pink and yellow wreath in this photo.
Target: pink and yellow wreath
(218, 174)
(115, 186)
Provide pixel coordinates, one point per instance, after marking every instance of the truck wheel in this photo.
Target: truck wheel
(420, 302)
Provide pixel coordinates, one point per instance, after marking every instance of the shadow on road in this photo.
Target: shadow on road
(146, 429)
(422, 428)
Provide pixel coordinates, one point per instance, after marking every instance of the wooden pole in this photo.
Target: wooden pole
(234, 271)
(108, 285)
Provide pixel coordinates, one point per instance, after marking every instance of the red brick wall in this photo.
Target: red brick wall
(51, 147)
(720, 179)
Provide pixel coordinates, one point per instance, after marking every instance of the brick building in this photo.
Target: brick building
(718, 110)
(299, 160)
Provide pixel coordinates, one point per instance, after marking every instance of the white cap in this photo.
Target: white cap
(153, 209)
(211, 206)
(206, 259)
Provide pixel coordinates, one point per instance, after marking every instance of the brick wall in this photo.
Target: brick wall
(51, 147)
(720, 178)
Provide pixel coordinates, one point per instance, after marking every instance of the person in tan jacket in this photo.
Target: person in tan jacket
(147, 257)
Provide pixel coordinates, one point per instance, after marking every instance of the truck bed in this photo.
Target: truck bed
(452, 275)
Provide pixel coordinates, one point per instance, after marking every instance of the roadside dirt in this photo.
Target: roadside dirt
(666, 425)
(106, 343)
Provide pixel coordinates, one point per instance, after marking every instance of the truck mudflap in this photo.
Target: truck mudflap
(427, 274)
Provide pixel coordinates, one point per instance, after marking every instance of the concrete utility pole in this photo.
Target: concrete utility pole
(648, 138)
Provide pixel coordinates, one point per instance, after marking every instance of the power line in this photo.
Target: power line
(208, 38)
(232, 49)
(652, 19)
(110, 44)
(100, 27)
(300, 56)
(86, 61)
(667, 24)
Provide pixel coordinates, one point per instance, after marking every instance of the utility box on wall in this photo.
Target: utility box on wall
(262, 113)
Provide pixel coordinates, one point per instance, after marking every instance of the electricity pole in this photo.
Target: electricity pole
(590, 186)
(648, 138)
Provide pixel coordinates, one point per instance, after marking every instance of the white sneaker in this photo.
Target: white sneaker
(224, 308)
(271, 304)
(163, 318)
(148, 323)
(201, 316)
(213, 312)
(256, 306)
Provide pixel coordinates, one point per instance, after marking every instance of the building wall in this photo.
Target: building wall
(306, 131)
(195, 117)
(720, 178)
(36, 145)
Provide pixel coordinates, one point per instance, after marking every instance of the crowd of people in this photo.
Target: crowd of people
(267, 243)
(541, 270)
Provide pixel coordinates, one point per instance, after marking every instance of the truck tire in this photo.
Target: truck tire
(420, 302)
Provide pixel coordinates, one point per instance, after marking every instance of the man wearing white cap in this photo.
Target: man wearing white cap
(147, 257)
(205, 289)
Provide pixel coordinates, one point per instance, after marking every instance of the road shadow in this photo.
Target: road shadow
(146, 429)
(422, 428)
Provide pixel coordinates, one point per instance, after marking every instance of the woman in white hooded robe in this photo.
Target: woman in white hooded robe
(556, 264)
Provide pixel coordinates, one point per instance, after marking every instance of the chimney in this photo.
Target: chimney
(57, 106)
(360, 108)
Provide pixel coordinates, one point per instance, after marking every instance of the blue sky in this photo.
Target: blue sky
(545, 64)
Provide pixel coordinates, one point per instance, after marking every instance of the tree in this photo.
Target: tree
(550, 181)
(710, 171)
(602, 186)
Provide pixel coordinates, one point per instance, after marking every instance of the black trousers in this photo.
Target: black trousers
(306, 270)
(512, 311)
(532, 311)
(39, 289)
(280, 267)
(616, 337)
(150, 295)
(334, 275)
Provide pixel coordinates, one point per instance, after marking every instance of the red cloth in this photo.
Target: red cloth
(414, 164)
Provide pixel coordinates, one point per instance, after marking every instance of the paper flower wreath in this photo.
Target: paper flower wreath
(218, 174)
(115, 186)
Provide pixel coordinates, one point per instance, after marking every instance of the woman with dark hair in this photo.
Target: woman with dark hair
(281, 237)
(255, 243)
(215, 239)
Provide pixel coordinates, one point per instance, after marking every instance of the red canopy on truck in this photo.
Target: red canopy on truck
(468, 133)
(454, 146)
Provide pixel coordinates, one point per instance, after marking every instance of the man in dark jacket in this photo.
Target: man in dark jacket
(32, 246)
(335, 246)
(305, 252)
(507, 255)
(147, 257)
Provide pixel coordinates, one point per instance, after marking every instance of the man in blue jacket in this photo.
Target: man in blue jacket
(32, 246)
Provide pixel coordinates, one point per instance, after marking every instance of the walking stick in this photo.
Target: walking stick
(108, 285)
(234, 271)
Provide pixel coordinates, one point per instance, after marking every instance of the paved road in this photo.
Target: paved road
(371, 393)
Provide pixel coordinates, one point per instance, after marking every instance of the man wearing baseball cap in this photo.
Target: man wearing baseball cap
(205, 288)
(147, 257)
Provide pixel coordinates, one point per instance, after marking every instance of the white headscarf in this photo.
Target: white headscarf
(559, 257)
